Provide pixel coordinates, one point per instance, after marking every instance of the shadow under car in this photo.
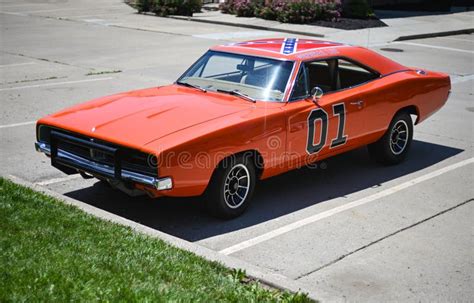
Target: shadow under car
(275, 197)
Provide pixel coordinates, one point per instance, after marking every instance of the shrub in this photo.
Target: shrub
(227, 7)
(286, 11)
(330, 10)
(357, 9)
(244, 8)
(170, 7)
(265, 13)
(144, 5)
(303, 11)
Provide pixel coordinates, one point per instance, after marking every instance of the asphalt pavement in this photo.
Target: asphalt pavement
(354, 231)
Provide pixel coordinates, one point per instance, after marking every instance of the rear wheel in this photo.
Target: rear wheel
(231, 187)
(393, 147)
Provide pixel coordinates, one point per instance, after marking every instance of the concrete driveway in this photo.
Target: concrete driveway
(352, 231)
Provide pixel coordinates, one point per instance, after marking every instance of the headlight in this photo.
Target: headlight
(43, 133)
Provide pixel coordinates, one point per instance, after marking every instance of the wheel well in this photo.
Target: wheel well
(411, 110)
(253, 155)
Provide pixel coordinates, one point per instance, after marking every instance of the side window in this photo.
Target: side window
(300, 89)
(322, 74)
(329, 75)
(351, 74)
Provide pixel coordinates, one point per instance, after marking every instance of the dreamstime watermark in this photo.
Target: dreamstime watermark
(274, 142)
(275, 155)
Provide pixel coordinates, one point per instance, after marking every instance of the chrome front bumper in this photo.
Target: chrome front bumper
(106, 171)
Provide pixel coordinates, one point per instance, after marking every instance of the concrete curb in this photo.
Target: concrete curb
(304, 33)
(401, 38)
(259, 27)
(264, 276)
(437, 34)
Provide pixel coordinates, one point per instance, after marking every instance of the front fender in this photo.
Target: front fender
(191, 156)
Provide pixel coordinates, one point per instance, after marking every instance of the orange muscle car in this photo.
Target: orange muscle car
(244, 111)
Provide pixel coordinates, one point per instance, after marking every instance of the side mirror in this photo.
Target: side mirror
(316, 93)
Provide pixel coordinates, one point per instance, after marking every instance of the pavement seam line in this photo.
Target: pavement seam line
(55, 83)
(34, 80)
(16, 64)
(260, 274)
(383, 238)
(328, 213)
(17, 124)
(44, 60)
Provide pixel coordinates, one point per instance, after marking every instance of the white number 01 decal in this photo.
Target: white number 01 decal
(320, 114)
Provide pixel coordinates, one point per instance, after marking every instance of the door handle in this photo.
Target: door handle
(359, 103)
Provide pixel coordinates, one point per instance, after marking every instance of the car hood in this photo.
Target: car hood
(139, 117)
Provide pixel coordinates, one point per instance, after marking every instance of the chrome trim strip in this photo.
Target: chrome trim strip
(91, 166)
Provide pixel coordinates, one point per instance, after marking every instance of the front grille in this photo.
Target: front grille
(130, 159)
(87, 153)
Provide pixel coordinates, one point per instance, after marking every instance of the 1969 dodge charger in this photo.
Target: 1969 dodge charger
(243, 112)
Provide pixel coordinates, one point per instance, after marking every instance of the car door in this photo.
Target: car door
(330, 125)
(358, 85)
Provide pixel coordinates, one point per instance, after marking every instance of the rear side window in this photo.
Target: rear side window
(351, 74)
(329, 75)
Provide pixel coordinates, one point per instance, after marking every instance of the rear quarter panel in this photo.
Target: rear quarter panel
(434, 89)
(427, 93)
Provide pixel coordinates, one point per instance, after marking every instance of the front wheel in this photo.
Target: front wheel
(231, 187)
(393, 147)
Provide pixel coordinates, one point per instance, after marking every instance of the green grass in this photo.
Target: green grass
(50, 251)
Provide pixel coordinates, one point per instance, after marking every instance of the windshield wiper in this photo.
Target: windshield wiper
(191, 85)
(237, 93)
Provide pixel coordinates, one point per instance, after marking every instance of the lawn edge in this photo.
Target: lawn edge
(260, 274)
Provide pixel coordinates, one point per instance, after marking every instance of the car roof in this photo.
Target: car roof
(296, 49)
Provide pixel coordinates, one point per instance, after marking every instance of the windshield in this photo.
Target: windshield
(258, 78)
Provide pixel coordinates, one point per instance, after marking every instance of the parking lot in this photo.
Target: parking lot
(353, 230)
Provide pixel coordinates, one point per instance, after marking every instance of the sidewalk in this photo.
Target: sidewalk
(399, 28)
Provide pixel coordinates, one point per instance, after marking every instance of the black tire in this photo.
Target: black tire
(231, 187)
(393, 147)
